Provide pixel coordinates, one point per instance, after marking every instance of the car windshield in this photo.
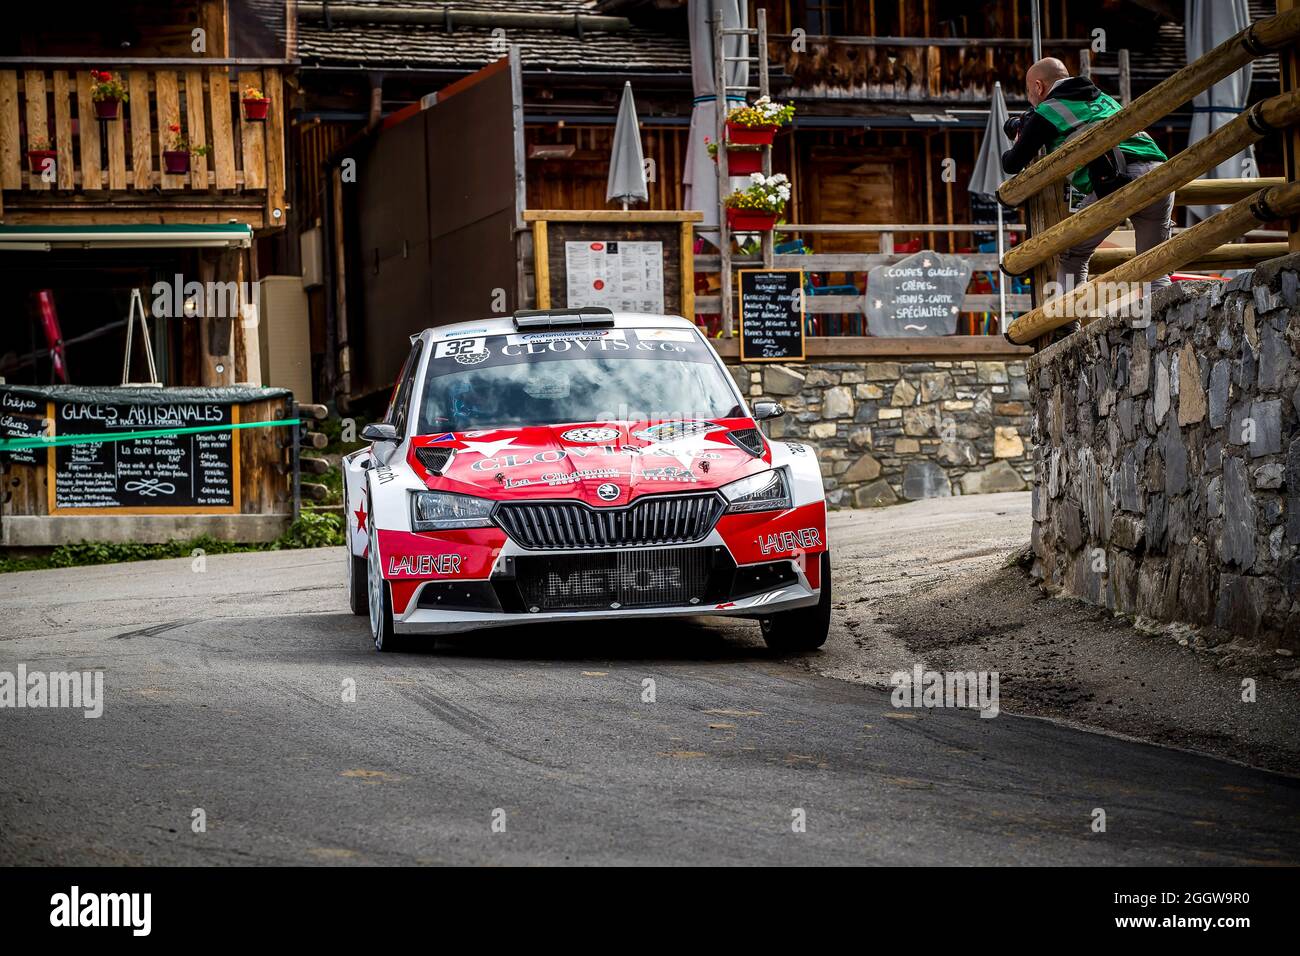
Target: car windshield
(591, 375)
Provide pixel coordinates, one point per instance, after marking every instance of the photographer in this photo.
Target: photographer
(1063, 107)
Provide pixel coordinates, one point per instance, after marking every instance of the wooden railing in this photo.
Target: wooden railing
(1039, 184)
(95, 159)
(862, 262)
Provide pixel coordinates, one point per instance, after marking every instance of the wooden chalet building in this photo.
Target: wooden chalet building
(110, 218)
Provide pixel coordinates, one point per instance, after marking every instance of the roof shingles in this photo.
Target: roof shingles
(432, 47)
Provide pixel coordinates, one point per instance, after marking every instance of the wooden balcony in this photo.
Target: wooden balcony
(112, 170)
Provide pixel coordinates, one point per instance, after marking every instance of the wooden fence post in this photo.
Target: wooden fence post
(1289, 79)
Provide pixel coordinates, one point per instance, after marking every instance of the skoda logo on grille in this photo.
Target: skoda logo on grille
(590, 435)
(608, 491)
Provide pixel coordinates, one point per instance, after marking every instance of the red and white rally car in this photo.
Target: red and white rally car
(573, 465)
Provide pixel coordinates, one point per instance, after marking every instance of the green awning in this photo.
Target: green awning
(173, 236)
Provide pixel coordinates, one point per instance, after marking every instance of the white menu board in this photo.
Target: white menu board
(622, 276)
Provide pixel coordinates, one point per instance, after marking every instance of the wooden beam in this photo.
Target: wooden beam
(848, 347)
(541, 265)
(274, 147)
(223, 134)
(196, 125)
(1289, 80)
(252, 137)
(37, 119)
(1213, 192)
(63, 130)
(92, 170)
(1278, 112)
(11, 170)
(1170, 255)
(612, 215)
(167, 90)
(1234, 255)
(141, 131)
(1267, 34)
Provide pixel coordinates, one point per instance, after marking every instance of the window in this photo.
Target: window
(402, 392)
(824, 17)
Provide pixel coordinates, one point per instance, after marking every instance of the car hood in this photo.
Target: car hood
(601, 463)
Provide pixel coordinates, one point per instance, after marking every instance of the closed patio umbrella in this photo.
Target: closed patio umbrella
(1207, 24)
(701, 176)
(626, 161)
(987, 176)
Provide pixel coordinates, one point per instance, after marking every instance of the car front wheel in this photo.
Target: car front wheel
(807, 628)
(380, 601)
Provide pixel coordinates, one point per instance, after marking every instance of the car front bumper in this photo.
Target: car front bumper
(641, 583)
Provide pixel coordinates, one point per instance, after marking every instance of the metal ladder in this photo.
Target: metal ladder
(721, 61)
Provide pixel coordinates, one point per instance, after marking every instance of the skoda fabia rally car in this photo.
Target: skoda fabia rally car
(569, 465)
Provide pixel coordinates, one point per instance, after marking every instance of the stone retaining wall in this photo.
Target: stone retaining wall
(901, 430)
(1167, 462)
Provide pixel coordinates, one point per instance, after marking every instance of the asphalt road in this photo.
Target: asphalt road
(224, 691)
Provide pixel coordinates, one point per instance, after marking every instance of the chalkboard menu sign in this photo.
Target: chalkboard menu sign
(919, 295)
(771, 315)
(195, 473)
(21, 416)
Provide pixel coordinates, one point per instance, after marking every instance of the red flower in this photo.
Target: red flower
(174, 128)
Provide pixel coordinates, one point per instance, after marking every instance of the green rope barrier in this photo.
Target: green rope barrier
(53, 441)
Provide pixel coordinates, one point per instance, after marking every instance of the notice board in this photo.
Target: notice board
(627, 261)
(771, 315)
(171, 474)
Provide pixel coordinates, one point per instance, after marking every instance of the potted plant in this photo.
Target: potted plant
(40, 155)
(756, 125)
(176, 161)
(756, 207)
(108, 92)
(740, 161)
(255, 104)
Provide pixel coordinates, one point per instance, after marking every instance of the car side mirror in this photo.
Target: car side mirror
(763, 411)
(379, 431)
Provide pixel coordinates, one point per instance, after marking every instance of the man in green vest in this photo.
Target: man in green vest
(1063, 107)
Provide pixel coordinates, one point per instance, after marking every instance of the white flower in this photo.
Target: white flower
(756, 179)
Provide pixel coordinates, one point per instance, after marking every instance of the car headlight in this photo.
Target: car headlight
(766, 491)
(439, 511)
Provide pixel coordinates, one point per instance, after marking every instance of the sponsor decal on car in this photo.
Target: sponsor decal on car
(557, 479)
(590, 436)
(423, 565)
(785, 541)
(668, 473)
(565, 335)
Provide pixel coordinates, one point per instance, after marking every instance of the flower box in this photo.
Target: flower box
(750, 220)
(255, 109)
(750, 135)
(176, 162)
(107, 108)
(37, 160)
(742, 162)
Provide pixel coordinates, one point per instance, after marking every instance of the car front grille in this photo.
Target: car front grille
(564, 525)
(626, 579)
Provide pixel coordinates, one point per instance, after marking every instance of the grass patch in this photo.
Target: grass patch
(309, 531)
